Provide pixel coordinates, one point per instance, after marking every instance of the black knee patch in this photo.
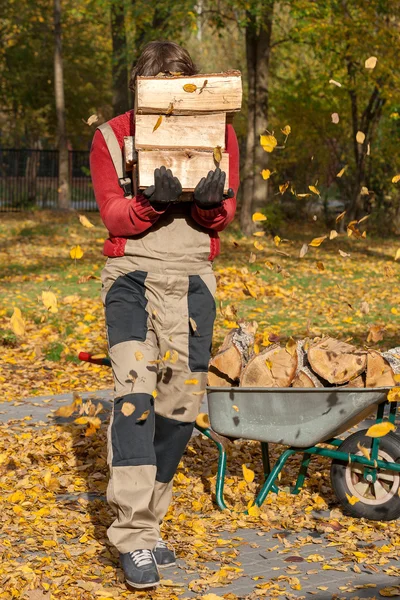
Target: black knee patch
(125, 307)
(132, 438)
(201, 308)
(170, 440)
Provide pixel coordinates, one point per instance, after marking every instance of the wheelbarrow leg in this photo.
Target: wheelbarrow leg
(221, 469)
(267, 464)
(302, 473)
(278, 466)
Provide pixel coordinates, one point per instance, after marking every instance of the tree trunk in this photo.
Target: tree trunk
(120, 99)
(64, 198)
(258, 50)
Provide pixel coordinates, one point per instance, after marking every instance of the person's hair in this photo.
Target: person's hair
(162, 57)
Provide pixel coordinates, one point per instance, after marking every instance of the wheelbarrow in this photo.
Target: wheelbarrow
(365, 471)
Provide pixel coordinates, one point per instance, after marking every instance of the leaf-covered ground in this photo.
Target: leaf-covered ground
(324, 292)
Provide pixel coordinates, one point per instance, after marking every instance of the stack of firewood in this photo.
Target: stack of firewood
(309, 363)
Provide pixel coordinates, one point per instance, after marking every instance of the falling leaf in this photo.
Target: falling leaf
(259, 233)
(217, 154)
(317, 241)
(375, 333)
(342, 171)
(333, 234)
(190, 87)
(335, 118)
(268, 142)
(85, 221)
(396, 179)
(252, 258)
(191, 381)
(370, 63)
(335, 83)
(283, 187)
(236, 408)
(364, 451)
(49, 300)
(158, 123)
(144, 416)
(286, 130)
(340, 217)
(380, 429)
(193, 324)
(76, 252)
(139, 355)
(248, 474)
(174, 357)
(266, 173)
(92, 119)
(344, 254)
(128, 409)
(363, 219)
(258, 217)
(154, 393)
(303, 195)
(258, 245)
(314, 190)
(203, 421)
(303, 250)
(360, 137)
(320, 266)
(364, 307)
(277, 240)
(364, 191)
(17, 322)
(397, 255)
(352, 499)
(291, 346)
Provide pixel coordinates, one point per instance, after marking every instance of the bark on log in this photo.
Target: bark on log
(335, 361)
(274, 367)
(226, 366)
(379, 371)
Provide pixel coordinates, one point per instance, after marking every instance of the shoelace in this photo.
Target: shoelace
(141, 557)
(161, 543)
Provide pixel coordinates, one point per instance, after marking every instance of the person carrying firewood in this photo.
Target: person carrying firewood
(158, 291)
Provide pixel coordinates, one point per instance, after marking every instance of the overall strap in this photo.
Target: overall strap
(117, 157)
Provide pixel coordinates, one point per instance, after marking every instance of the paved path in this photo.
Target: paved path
(263, 555)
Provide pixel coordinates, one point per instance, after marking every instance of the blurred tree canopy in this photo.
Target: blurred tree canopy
(304, 65)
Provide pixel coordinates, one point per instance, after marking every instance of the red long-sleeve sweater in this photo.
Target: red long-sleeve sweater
(125, 217)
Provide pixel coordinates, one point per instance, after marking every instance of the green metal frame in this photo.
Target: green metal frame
(270, 475)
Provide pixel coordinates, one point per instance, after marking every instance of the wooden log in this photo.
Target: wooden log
(302, 380)
(379, 371)
(226, 366)
(357, 382)
(203, 93)
(274, 367)
(335, 361)
(189, 166)
(199, 132)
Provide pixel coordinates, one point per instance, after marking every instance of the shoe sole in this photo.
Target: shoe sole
(141, 586)
(166, 566)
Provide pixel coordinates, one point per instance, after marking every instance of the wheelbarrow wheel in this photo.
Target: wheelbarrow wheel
(379, 500)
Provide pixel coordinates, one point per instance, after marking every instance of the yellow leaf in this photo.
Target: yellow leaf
(360, 137)
(259, 233)
(17, 496)
(283, 187)
(50, 301)
(66, 411)
(211, 597)
(191, 381)
(193, 324)
(158, 123)
(139, 355)
(303, 250)
(268, 364)
(174, 357)
(277, 240)
(333, 234)
(76, 252)
(340, 217)
(268, 142)
(370, 63)
(49, 543)
(342, 171)
(286, 130)
(248, 474)
(364, 451)
(390, 591)
(47, 478)
(190, 87)
(317, 241)
(254, 511)
(203, 421)
(303, 195)
(258, 245)
(314, 190)
(360, 554)
(258, 217)
(154, 393)
(82, 420)
(17, 322)
(144, 415)
(397, 255)
(320, 266)
(380, 429)
(394, 395)
(335, 118)
(291, 346)
(396, 179)
(334, 82)
(170, 109)
(92, 119)
(266, 174)
(236, 408)
(343, 254)
(364, 191)
(352, 499)
(217, 154)
(85, 221)
(128, 409)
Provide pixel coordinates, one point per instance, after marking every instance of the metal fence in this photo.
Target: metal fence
(29, 178)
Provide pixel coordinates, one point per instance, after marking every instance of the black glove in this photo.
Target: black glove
(209, 192)
(166, 188)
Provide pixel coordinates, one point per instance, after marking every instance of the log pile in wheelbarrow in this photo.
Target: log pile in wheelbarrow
(310, 363)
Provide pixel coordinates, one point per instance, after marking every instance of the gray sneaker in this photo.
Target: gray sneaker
(140, 569)
(163, 555)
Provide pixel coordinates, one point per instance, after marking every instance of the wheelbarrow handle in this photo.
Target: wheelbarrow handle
(87, 357)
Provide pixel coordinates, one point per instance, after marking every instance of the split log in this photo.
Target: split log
(336, 361)
(203, 93)
(189, 166)
(226, 366)
(379, 371)
(199, 132)
(302, 380)
(357, 382)
(304, 377)
(274, 367)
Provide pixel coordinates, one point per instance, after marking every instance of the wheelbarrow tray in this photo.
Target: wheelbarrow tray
(290, 416)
